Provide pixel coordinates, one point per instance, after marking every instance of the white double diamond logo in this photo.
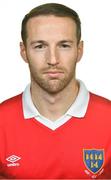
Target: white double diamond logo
(13, 158)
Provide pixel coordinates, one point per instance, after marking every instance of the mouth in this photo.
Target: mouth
(54, 74)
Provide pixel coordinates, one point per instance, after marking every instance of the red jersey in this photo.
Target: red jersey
(79, 149)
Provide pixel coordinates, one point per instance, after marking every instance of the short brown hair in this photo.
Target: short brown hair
(55, 9)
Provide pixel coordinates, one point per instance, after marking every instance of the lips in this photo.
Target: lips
(54, 74)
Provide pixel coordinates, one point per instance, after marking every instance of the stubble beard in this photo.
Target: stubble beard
(51, 85)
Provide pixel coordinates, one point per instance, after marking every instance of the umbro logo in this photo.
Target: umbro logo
(13, 160)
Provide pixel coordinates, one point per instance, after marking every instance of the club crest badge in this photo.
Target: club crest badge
(93, 159)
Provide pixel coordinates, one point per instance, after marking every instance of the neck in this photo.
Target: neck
(53, 106)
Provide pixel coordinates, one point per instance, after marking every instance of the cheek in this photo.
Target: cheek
(36, 59)
(71, 63)
(36, 56)
(69, 60)
(68, 54)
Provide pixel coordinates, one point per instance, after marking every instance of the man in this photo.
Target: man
(56, 129)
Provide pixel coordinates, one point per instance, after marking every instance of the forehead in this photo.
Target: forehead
(51, 26)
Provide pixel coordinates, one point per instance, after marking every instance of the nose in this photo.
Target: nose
(52, 58)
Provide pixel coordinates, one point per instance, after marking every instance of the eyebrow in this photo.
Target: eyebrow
(37, 41)
(44, 42)
(66, 41)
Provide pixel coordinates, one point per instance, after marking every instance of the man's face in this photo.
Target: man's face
(51, 51)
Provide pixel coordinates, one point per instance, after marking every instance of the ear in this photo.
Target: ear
(23, 52)
(80, 50)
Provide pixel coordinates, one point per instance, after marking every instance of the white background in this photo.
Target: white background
(95, 66)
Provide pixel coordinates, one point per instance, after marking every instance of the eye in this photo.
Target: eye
(65, 46)
(40, 46)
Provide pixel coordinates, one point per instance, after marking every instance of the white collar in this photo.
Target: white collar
(77, 109)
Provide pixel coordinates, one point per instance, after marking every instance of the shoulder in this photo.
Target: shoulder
(11, 110)
(100, 103)
(11, 100)
(99, 99)
(11, 105)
